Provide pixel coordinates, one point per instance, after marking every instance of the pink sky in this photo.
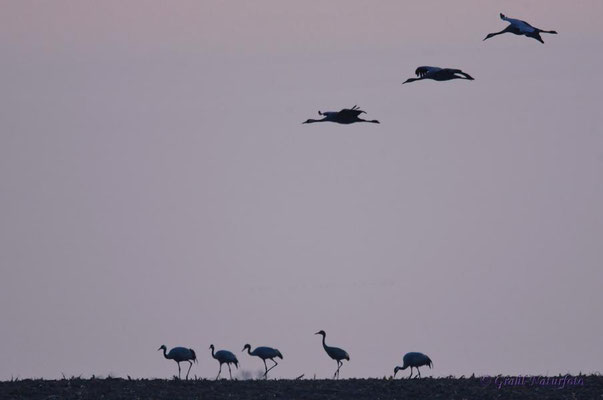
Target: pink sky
(157, 186)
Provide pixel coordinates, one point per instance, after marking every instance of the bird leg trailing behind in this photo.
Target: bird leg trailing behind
(373, 121)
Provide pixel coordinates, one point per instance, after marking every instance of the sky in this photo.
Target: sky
(157, 186)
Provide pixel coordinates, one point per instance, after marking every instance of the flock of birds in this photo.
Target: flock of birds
(351, 115)
(184, 354)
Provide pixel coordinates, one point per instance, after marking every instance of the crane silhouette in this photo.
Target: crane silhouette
(335, 353)
(414, 360)
(180, 354)
(224, 357)
(438, 74)
(519, 27)
(265, 353)
(345, 116)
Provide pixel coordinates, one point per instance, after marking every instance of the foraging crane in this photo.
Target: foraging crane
(438, 74)
(180, 354)
(345, 116)
(335, 353)
(265, 353)
(415, 360)
(224, 357)
(519, 27)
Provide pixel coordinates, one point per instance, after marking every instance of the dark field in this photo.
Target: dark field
(591, 387)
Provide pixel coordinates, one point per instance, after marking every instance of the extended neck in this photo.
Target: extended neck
(414, 79)
(498, 33)
(165, 353)
(324, 344)
(315, 120)
(212, 351)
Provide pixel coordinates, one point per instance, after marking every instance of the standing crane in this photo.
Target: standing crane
(345, 116)
(438, 74)
(180, 354)
(335, 353)
(519, 27)
(224, 357)
(415, 360)
(265, 353)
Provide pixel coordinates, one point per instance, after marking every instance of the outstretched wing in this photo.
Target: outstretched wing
(523, 26)
(426, 70)
(350, 112)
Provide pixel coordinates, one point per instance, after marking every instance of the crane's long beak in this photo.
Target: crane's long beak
(317, 333)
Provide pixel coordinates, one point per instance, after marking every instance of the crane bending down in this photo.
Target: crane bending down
(335, 353)
(519, 27)
(415, 360)
(265, 353)
(438, 74)
(180, 354)
(345, 116)
(224, 357)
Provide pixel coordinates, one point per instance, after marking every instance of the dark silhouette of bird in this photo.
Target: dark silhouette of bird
(224, 357)
(335, 353)
(519, 27)
(414, 360)
(438, 74)
(265, 353)
(180, 354)
(345, 116)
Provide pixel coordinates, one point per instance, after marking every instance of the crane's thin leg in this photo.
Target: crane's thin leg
(189, 369)
(410, 373)
(266, 369)
(219, 372)
(275, 364)
(419, 371)
(336, 374)
(229, 371)
(179, 370)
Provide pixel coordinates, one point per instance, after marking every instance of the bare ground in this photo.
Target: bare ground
(591, 387)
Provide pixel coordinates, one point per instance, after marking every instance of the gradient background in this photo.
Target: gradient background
(157, 186)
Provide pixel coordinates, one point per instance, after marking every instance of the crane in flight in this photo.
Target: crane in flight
(345, 116)
(438, 74)
(519, 27)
